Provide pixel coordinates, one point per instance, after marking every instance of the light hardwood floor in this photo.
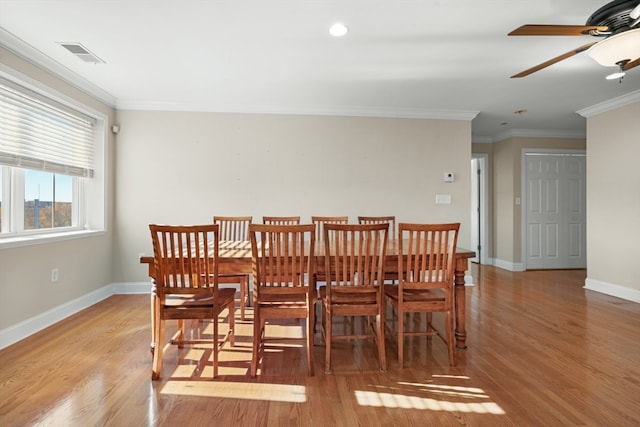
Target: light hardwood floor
(542, 351)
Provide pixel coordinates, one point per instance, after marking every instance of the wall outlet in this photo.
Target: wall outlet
(54, 275)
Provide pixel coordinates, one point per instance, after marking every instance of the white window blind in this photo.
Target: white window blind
(39, 133)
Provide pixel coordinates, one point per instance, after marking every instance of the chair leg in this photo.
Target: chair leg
(310, 328)
(450, 338)
(400, 338)
(244, 288)
(380, 341)
(430, 327)
(156, 371)
(232, 323)
(323, 321)
(216, 345)
(257, 335)
(327, 320)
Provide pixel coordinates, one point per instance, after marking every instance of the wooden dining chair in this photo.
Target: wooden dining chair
(281, 220)
(319, 222)
(354, 265)
(186, 287)
(391, 220)
(283, 283)
(426, 282)
(235, 230)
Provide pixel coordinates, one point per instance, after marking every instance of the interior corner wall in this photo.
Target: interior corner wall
(613, 202)
(503, 206)
(185, 167)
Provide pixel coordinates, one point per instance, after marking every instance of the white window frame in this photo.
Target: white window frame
(13, 220)
(89, 194)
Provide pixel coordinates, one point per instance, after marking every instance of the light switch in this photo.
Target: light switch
(443, 199)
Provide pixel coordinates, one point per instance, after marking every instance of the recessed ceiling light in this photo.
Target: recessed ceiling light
(338, 30)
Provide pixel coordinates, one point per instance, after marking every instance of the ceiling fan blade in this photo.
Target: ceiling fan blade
(554, 60)
(631, 64)
(556, 30)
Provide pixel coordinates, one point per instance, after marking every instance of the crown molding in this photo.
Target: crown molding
(481, 139)
(27, 52)
(539, 133)
(301, 110)
(611, 104)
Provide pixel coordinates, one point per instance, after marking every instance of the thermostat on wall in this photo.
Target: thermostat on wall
(449, 177)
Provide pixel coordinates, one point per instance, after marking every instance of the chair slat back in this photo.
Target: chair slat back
(185, 258)
(233, 228)
(320, 221)
(354, 255)
(281, 220)
(391, 220)
(282, 257)
(428, 255)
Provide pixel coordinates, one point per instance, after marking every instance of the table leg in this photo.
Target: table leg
(460, 303)
(154, 301)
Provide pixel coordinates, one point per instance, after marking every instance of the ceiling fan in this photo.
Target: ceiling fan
(618, 25)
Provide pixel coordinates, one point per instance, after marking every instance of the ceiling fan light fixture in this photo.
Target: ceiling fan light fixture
(622, 46)
(616, 75)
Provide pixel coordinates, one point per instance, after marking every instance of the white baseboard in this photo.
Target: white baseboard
(612, 289)
(506, 265)
(468, 280)
(130, 288)
(28, 327)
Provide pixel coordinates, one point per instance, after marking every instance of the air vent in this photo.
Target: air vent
(82, 52)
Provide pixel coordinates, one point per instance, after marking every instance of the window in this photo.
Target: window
(51, 165)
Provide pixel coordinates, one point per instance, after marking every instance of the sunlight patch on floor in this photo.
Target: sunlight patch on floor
(390, 400)
(237, 390)
(431, 396)
(448, 389)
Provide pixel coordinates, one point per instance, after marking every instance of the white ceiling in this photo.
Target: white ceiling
(401, 58)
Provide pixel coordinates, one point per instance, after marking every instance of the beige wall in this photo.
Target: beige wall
(613, 201)
(185, 167)
(84, 264)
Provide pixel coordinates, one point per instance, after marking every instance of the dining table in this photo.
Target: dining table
(234, 257)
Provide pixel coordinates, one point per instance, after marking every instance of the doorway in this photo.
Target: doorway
(479, 208)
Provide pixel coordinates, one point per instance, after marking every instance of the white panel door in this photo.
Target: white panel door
(575, 216)
(555, 211)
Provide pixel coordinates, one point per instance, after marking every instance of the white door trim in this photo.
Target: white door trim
(484, 207)
(523, 191)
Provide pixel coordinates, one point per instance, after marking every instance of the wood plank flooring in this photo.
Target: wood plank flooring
(542, 351)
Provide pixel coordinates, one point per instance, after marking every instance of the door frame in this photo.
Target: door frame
(484, 207)
(523, 191)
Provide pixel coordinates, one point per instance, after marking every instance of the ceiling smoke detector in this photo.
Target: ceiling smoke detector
(82, 52)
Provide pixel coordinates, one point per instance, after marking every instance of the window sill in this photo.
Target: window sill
(19, 241)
